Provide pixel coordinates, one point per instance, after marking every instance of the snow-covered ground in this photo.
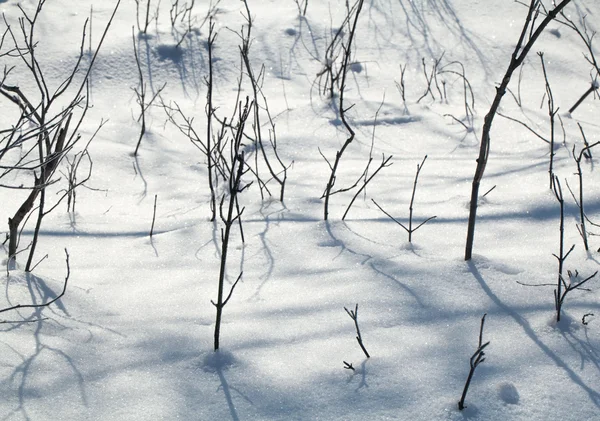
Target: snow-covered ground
(132, 338)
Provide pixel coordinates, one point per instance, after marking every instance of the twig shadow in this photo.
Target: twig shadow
(219, 362)
(21, 374)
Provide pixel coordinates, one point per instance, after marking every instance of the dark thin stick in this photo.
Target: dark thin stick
(38, 263)
(559, 299)
(588, 154)
(458, 121)
(402, 86)
(428, 79)
(54, 135)
(153, 216)
(209, 109)
(237, 167)
(518, 56)
(592, 88)
(354, 316)
(524, 125)
(256, 86)
(487, 192)
(551, 114)
(477, 358)
(580, 204)
(410, 228)
(384, 163)
(141, 95)
(348, 366)
(562, 256)
(338, 156)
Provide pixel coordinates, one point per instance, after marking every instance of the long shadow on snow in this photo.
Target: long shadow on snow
(227, 393)
(538, 213)
(218, 362)
(134, 234)
(372, 261)
(593, 394)
(270, 261)
(585, 348)
(138, 170)
(416, 20)
(450, 19)
(40, 293)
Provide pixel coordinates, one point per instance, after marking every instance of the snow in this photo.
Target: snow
(132, 338)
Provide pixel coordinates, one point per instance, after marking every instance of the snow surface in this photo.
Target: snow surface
(132, 337)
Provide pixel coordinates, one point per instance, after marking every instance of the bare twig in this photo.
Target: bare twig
(586, 151)
(338, 156)
(153, 215)
(477, 358)
(410, 228)
(234, 213)
(551, 114)
(354, 316)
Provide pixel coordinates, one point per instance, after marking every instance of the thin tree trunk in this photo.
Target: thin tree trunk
(518, 56)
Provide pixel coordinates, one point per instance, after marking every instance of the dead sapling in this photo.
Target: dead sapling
(575, 282)
(563, 285)
(281, 176)
(432, 78)
(153, 216)
(517, 96)
(552, 111)
(51, 132)
(212, 11)
(477, 358)
(179, 11)
(401, 86)
(519, 101)
(210, 110)
(467, 90)
(140, 93)
(342, 110)
(366, 177)
(328, 78)
(410, 228)
(217, 161)
(147, 19)
(529, 35)
(354, 316)
(277, 169)
(72, 174)
(302, 6)
(579, 201)
(230, 212)
(562, 256)
(214, 145)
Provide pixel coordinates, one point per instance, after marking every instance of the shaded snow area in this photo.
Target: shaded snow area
(133, 336)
